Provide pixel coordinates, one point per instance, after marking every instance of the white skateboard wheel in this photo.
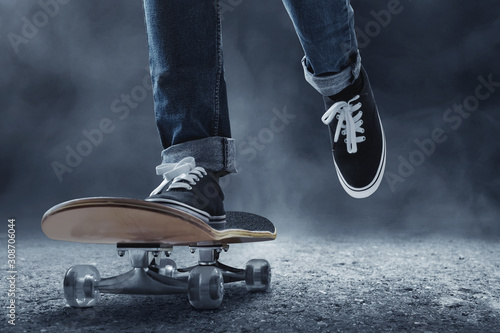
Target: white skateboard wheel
(205, 287)
(80, 286)
(258, 275)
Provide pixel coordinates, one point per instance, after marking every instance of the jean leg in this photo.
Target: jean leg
(326, 32)
(187, 73)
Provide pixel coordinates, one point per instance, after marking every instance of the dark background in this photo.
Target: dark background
(428, 58)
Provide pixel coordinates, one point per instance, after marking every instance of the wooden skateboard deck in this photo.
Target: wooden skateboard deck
(106, 220)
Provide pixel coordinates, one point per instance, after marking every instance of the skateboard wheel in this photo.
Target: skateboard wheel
(258, 275)
(205, 287)
(80, 285)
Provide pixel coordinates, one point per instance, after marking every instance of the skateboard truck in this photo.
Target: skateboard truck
(210, 254)
(154, 274)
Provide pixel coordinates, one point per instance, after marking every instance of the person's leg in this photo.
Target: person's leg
(326, 32)
(332, 65)
(186, 64)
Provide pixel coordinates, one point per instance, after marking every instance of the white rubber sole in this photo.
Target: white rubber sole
(216, 222)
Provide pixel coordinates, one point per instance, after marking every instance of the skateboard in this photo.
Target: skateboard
(148, 233)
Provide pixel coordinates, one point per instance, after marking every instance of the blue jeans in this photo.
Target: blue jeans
(187, 70)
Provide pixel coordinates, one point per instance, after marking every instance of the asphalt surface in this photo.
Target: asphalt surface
(331, 283)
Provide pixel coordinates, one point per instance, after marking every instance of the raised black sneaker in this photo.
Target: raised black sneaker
(358, 141)
(192, 189)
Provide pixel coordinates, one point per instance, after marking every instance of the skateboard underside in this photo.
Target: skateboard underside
(155, 273)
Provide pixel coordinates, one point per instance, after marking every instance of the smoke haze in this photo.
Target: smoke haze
(61, 81)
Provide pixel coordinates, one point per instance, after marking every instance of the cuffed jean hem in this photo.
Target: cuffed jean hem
(329, 85)
(217, 154)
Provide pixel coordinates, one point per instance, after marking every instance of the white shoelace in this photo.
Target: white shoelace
(184, 174)
(347, 124)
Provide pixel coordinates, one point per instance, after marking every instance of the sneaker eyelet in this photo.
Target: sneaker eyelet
(190, 188)
(337, 116)
(345, 140)
(343, 132)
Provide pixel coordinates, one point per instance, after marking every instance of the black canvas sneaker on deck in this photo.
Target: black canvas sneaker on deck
(192, 189)
(358, 141)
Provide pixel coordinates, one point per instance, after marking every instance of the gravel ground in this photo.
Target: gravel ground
(367, 283)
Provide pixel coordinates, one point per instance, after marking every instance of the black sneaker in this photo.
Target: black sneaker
(193, 190)
(357, 137)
